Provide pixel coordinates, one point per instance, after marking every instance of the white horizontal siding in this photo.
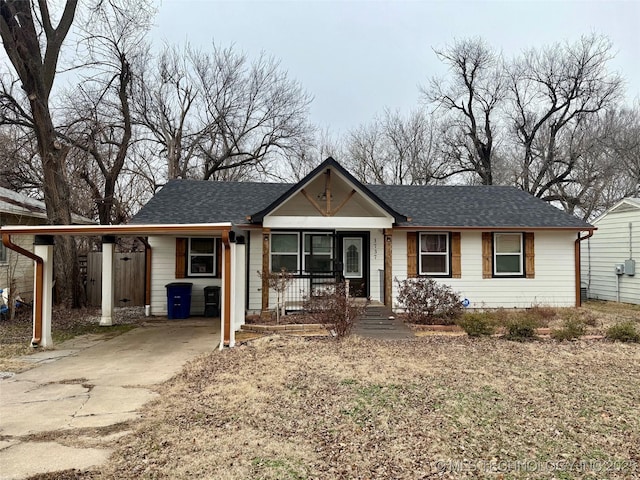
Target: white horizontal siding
(608, 247)
(163, 271)
(19, 268)
(554, 282)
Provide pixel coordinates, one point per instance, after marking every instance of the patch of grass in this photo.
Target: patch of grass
(370, 402)
(570, 330)
(267, 468)
(87, 328)
(624, 332)
(478, 324)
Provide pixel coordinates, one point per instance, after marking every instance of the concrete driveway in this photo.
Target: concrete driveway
(67, 411)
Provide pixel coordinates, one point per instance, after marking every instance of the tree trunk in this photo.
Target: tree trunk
(69, 289)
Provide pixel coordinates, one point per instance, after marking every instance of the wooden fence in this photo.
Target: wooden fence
(129, 279)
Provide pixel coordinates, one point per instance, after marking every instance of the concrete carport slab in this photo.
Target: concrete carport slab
(96, 384)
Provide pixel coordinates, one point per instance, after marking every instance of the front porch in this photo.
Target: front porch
(297, 266)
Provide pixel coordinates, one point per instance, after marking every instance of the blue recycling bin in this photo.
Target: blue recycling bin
(178, 300)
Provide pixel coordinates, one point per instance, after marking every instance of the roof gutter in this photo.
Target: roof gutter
(578, 279)
(37, 327)
(129, 229)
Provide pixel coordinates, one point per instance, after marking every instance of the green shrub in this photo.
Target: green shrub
(571, 329)
(426, 301)
(522, 328)
(623, 332)
(477, 324)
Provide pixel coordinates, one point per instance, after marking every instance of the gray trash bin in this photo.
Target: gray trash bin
(211, 301)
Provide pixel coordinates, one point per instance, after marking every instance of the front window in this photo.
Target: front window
(202, 257)
(434, 254)
(507, 253)
(318, 252)
(284, 252)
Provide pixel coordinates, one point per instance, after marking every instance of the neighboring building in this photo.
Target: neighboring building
(611, 257)
(18, 209)
(497, 246)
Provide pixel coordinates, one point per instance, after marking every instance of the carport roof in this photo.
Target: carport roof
(119, 230)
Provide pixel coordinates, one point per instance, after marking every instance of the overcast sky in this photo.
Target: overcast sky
(358, 57)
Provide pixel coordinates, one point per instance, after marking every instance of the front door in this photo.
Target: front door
(354, 255)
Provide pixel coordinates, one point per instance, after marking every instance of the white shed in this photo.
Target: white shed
(611, 258)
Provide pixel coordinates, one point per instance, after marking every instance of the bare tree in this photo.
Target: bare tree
(101, 119)
(395, 149)
(214, 112)
(468, 99)
(298, 164)
(33, 45)
(20, 166)
(552, 92)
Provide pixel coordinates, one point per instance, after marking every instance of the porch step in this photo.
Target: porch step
(378, 322)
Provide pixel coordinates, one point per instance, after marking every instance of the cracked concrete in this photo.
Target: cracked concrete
(90, 383)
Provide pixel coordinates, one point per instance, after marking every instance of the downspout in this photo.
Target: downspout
(226, 320)
(147, 276)
(37, 327)
(577, 266)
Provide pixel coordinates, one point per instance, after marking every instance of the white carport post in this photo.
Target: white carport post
(239, 281)
(108, 249)
(224, 294)
(43, 248)
(233, 287)
(232, 306)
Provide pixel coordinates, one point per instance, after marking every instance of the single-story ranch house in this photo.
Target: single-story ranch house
(497, 246)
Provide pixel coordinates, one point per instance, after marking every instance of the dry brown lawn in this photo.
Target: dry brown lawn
(436, 407)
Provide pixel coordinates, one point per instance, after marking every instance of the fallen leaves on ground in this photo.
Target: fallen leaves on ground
(436, 407)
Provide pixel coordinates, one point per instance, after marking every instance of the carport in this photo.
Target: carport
(233, 267)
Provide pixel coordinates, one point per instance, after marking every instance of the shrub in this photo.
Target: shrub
(335, 310)
(522, 328)
(477, 324)
(426, 301)
(589, 318)
(571, 329)
(623, 332)
(542, 314)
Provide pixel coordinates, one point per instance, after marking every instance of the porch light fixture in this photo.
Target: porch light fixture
(323, 196)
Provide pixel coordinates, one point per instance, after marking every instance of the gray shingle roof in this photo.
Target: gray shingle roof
(192, 201)
(195, 201)
(473, 206)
